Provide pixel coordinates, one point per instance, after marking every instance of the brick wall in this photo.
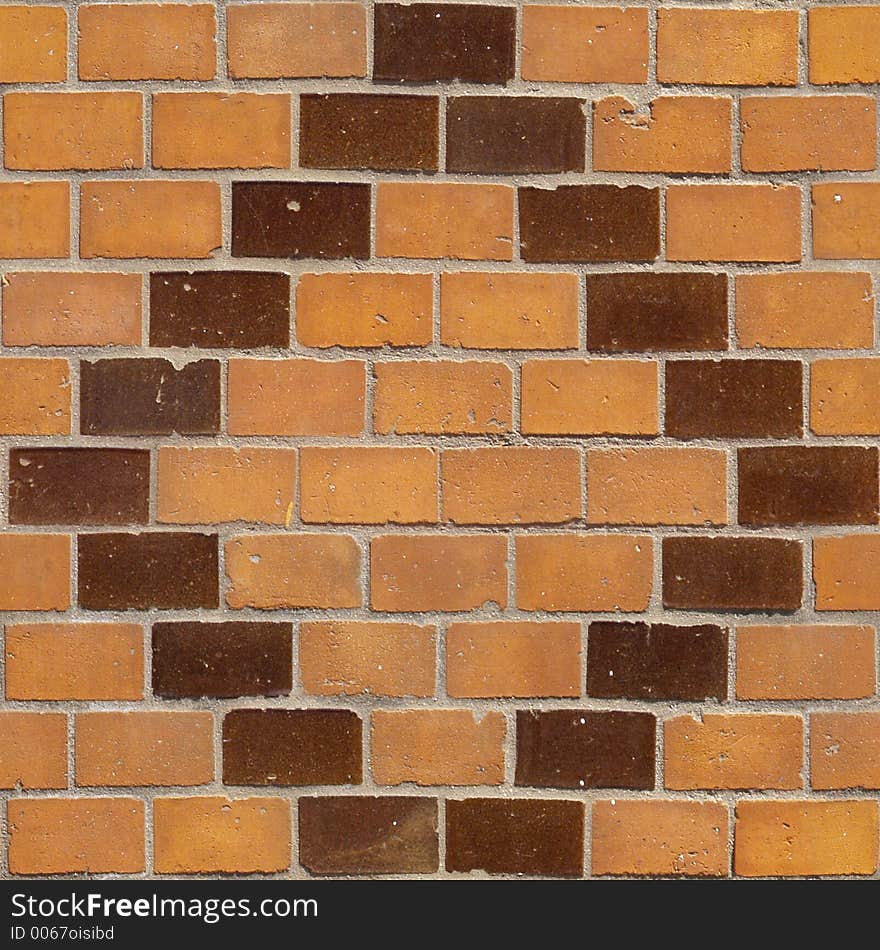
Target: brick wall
(439, 439)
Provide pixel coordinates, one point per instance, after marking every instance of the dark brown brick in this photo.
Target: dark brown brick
(323, 220)
(382, 133)
(589, 223)
(292, 747)
(360, 835)
(221, 660)
(515, 836)
(149, 397)
(799, 484)
(644, 313)
(497, 135)
(167, 570)
(733, 399)
(424, 42)
(656, 661)
(79, 486)
(577, 748)
(223, 309)
(732, 574)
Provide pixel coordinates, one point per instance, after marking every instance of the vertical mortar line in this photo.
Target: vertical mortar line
(222, 40)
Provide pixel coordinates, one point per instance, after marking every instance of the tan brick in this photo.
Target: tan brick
(33, 750)
(34, 396)
(349, 658)
(34, 219)
(728, 47)
(519, 659)
(660, 137)
(293, 40)
(147, 41)
(34, 571)
(844, 44)
(583, 572)
(33, 44)
(369, 310)
(656, 486)
(444, 220)
(215, 835)
(584, 44)
(669, 838)
(590, 397)
(532, 311)
(846, 220)
(845, 397)
(438, 747)
(369, 485)
(269, 571)
(221, 130)
(512, 485)
(443, 398)
(845, 750)
(846, 572)
(805, 838)
(157, 219)
(733, 223)
(98, 661)
(216, 484)
(807, 309)
(296, 397)
(76, 835)
(144, 748)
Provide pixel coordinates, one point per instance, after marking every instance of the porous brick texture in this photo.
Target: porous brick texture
(439, 439)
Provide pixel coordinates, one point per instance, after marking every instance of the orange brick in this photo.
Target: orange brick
(844, 44)
(150, 219)
(660, 137)
(532, 311)
(34, 396)
(34, 219)
(221, 130)
(438, 747)
(808, 133)
(584, 44)
(733, 223)
(33, 750)
(144, 748)
(845, 750)
(728, 47)
(33, 44)
(512, 485)
(583, 572)
(845, 397)
(369, 485)
(349, 658)
(846, 220)
(364, 310)
(438, 572)
(680, 838)
(805, 662)
(52, 308)
(443, 398)
(269, 571)
(296, 397)
(76, 836)
(98, 661)
(466, 222)
(518, 659)
(56, 130)
(734, 751)
(216, 484)
(294, 40)
(805, 838)
(656, 486)
(34, 571)
(807, 309)
(846, 572)
(214, 835)
(590, 397)
(147, 41)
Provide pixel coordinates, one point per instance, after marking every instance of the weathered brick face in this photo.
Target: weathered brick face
(439, 439)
